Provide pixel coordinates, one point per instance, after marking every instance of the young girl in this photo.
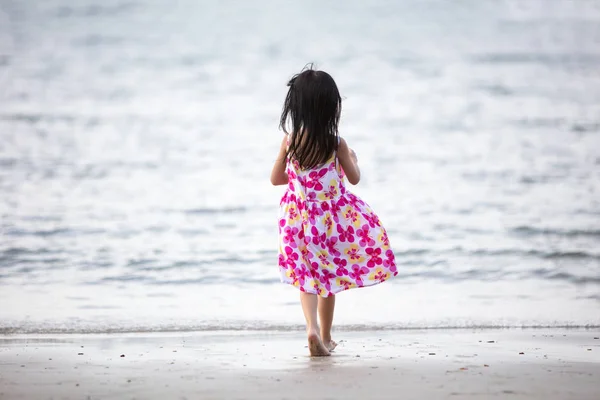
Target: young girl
(329, 239)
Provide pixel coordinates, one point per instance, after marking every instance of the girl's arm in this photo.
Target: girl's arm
(278, 174)
(349, 162)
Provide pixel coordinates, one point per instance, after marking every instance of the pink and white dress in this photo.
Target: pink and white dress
(329, 239)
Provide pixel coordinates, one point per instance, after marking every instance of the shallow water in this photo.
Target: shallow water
(136, 141)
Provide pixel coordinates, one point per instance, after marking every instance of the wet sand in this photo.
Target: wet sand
(457, 364)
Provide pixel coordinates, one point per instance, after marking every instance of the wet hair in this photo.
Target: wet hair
(313, 106)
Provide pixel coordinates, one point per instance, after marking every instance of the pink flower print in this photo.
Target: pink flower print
(390, 261)
(313, 212)
(331, 246)
(282, 263)
(289, 234)
(357, 273)
(314, 179)
(291, 174)
(354, 201)
(335, 210)
(374, 257)
(347, 234)
(316, 238)
(325, 279)
(335, 207)
(301, 180)
(290, 257)
(325, 206)
(372, 219)
(365, 239)
(341, 266)
(314, 271)
(341, 202)
(301, 274)
(312, 196)
(326, 276)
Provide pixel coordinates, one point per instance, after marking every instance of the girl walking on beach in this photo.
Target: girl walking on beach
(329, 239)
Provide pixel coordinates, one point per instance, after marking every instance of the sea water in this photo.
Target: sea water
(137, 138)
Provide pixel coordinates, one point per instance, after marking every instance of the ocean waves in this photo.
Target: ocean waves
(146, 172)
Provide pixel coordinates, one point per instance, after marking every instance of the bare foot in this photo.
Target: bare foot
(330, 344)
(316, 346)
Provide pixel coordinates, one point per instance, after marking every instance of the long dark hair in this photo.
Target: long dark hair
(313, 104)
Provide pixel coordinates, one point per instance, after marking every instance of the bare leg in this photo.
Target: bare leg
(326, 308)
(309, 307)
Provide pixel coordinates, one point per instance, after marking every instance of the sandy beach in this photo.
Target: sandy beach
(432, 364)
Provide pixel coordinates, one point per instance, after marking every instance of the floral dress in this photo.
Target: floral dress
(329, 239)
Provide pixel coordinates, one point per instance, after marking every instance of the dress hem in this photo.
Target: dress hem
(340, 290)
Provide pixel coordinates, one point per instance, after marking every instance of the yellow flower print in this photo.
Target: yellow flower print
(352, 215)
(383, 239)
(379, 275)
(345, 283)
(313, 283)
(293, 214)
(354, 254)
(323, 256)
(292, 275)
(328, 222)
(330, 192)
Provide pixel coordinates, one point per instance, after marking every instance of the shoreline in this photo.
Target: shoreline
(241, 329)
(462, 363)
